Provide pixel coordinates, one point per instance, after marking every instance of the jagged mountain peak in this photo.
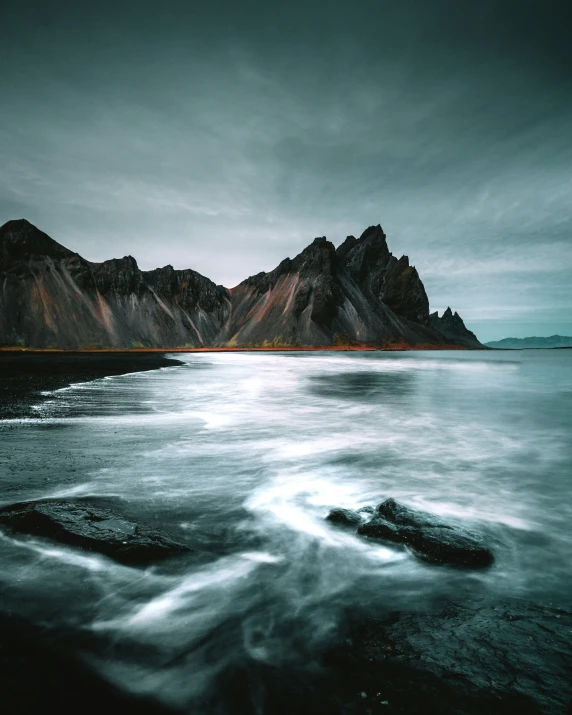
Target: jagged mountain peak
(17, 223)
(452, 326)
(20, 239)
(373, 233)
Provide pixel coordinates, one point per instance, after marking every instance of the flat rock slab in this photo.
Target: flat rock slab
(91, 527)
(469, 659)
(429, 537)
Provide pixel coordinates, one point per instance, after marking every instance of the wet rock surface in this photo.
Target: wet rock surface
(475, 658)
(91, 527)
(466, 659)
(345, 517)
(429, 537)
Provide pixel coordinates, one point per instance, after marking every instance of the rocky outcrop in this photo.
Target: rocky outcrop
(91, 527)
(451, 325)
(384, 278)
(429, 537)
(357, 294)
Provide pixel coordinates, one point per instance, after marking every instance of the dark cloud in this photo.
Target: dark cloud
(225, 136)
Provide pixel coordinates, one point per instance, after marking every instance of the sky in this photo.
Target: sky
(224, 136)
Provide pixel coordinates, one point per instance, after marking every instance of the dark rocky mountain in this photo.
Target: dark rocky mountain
(357, 294)
(451, 325)
(52, 297)
(554, 341)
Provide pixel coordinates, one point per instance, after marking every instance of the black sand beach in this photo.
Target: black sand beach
(25, 375)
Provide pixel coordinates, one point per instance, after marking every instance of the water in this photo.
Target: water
(242, 455)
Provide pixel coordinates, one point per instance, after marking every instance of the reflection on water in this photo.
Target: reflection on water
(242, 455)
(365, 385)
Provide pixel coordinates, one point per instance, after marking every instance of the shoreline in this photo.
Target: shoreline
(25, 375)
(216, 349)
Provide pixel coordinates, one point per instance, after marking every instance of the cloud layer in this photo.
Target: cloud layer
(225, 136)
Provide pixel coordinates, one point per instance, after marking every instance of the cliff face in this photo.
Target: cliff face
(384, 278)
(359, 293)
(52, 297)
(451, 325)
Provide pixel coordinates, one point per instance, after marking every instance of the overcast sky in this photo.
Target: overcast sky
(226, 135)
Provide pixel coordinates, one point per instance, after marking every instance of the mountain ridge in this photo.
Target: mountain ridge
(552, 341)
(356, 294)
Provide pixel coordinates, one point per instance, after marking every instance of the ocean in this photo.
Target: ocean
(241, 456)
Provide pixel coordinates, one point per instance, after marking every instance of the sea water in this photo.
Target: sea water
(242, 455)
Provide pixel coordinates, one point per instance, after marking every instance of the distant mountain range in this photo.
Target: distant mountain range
(357, 294)
(554, 341)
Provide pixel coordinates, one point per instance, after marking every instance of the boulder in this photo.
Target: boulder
(428, 536)
(431, 538)
(91, 527)
(345, 517)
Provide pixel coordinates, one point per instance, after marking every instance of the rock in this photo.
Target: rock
(471, 658)
(91, 527)
(428, 536)
(345, 517)
(378, 528)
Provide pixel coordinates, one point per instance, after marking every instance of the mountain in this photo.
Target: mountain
(554, 341)
(358, 293)
(451, 325)
(52, 297)
(324, 296)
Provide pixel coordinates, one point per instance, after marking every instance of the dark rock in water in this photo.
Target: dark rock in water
(91, 527)
(470, 659)
(402, 515)
(345, 517)
(428, 536)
